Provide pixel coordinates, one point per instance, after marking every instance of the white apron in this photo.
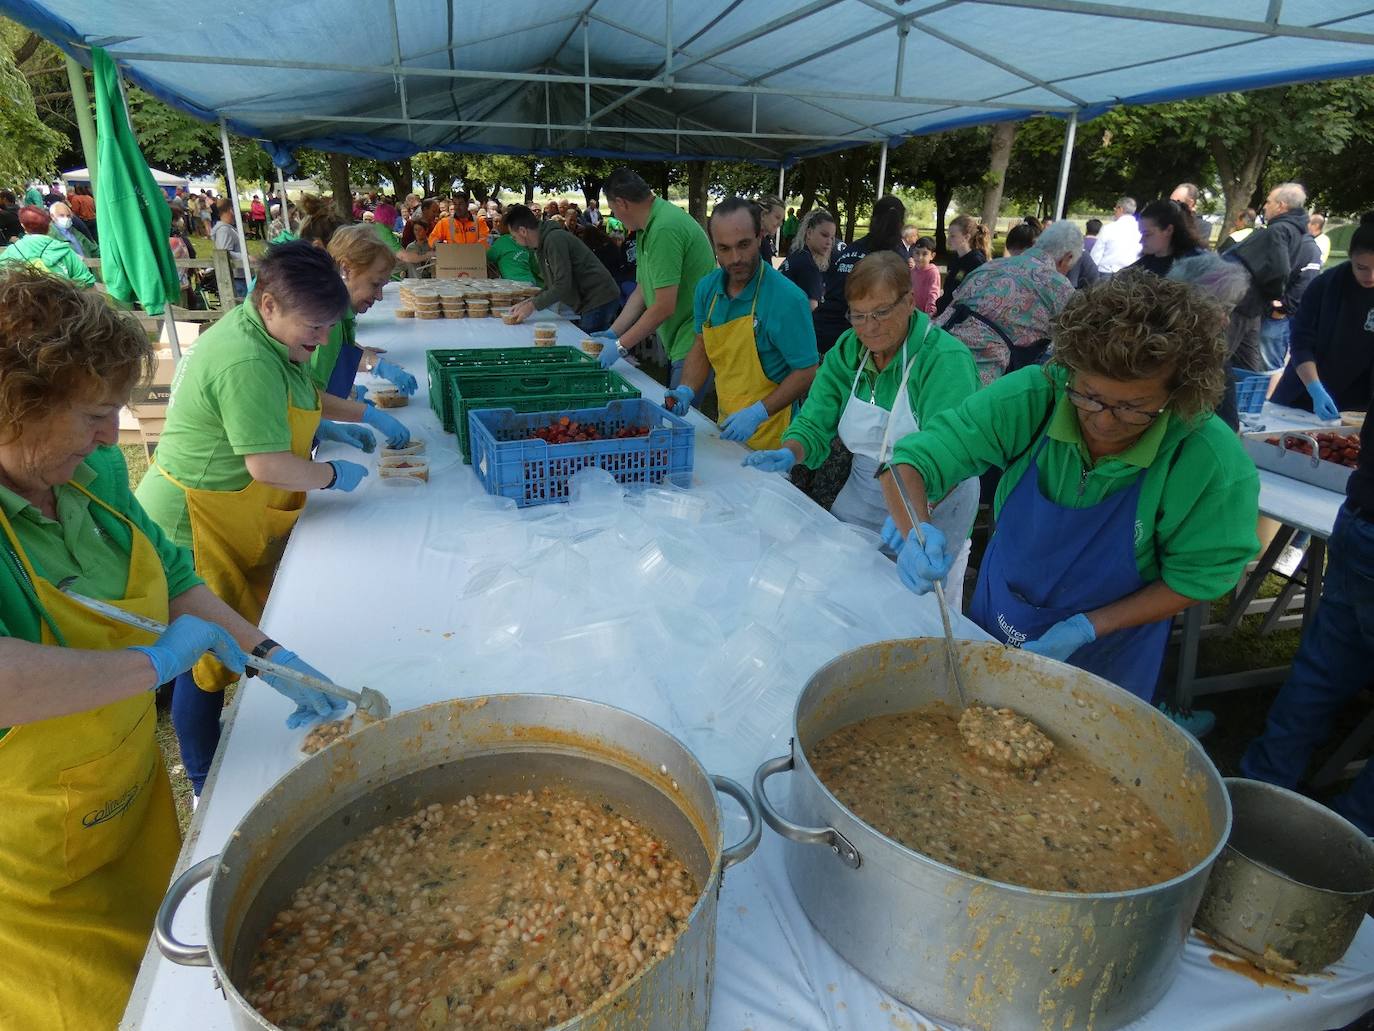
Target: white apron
(869, 430)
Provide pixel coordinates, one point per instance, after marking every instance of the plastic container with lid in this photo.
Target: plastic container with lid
(409, 466)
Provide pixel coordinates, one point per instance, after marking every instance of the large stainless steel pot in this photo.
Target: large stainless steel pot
(971, 950)
(1292, 885)
(439, 754)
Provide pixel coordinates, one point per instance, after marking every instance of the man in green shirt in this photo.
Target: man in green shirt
(1125, 499)
(509, 259)
(673, 255)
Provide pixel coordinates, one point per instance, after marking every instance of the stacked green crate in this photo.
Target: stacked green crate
(442, 364)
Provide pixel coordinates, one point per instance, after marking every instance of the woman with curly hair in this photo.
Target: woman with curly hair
(89, 834)
(1125, 499)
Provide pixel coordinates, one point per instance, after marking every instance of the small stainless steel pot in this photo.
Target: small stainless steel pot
(970, 950)
(441, 753)
(1293, 883)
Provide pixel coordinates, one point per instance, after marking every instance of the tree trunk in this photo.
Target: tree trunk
(698, 175)
(666, 180)
(404, 180)
(808, 189)
(338, 184)
(591, 191)
(999, 156)
(529, 193)
(1240, 171)
(944, 193)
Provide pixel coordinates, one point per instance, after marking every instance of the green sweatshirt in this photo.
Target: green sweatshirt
(511, 260)
(55, 256)
(1199, 502)
(943, 376)
(571, 272)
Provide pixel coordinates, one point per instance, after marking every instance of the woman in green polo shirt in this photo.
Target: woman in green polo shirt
(1125, 498)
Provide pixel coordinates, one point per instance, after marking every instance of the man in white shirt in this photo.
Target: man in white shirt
(1118, 245)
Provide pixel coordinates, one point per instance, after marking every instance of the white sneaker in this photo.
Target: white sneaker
(1287, 562)
(195, 801)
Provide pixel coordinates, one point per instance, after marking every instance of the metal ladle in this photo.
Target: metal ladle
(368, 701)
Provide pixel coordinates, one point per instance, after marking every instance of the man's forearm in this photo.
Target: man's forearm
(1150, 604)
(697, 366)
(629, 315)
(793, 386)
(647, 324)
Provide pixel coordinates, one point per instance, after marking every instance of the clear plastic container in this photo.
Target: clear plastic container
(498, 603)
(590, 647)
(592, 484)
(745, 667)
(662, 503)
(779, 515)
(483, 528)
(412, 467)
(771, 584)
(671, 569)
(415, 447)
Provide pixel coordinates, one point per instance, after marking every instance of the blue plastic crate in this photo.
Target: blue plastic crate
(512, 463)
(1250, 390)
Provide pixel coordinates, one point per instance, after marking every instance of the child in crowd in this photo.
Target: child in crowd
(925, 277)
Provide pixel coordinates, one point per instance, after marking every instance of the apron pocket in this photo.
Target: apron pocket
(106, 799)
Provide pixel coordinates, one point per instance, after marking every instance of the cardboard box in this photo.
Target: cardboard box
(460, 261)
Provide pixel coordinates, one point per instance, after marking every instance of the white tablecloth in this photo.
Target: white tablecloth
(359, 595)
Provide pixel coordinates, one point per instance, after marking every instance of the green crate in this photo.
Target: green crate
(531, 390)
(442, 363)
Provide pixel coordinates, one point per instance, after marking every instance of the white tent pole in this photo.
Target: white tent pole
(233, 185)
(285, 213)
(169, 320)
(1061, 195)
(882, 169)
(782, 181)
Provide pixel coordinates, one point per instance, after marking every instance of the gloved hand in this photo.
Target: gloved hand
(744, 424)
(311, 705)
(184, 642)
(892, 537)
(920, 568)
(347, 476)
(779, 461)
(388, 425)
(682, 398)
(1323, 407)
(1063, 639)
(610, 353)
(359, 392)
(390, 371)
(347, 433)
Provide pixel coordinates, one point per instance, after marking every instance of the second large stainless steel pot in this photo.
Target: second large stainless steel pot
(439, 754)
(964, 948)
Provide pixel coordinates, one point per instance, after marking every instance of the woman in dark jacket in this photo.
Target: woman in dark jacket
(1166, 234)
(884, 234)
(1332, 344)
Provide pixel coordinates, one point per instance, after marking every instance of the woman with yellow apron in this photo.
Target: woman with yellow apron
(775, 330)
(88, 835)
(234, 462)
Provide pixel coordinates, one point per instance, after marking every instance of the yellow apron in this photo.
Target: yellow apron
(740, 380)
(88, 830)
(238, 537)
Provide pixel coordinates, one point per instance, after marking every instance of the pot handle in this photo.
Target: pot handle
(827, 836)
(178, 951)
(744, 848)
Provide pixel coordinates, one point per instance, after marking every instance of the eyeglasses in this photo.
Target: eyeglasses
(877, 316)
(1122, 413)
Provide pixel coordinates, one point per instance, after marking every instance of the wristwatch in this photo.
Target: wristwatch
(259, 652)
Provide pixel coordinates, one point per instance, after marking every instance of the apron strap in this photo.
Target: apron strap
(753, 307)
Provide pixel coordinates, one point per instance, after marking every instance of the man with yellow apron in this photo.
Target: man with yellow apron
(754, 332)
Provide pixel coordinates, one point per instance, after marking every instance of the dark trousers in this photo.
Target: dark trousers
(1331, 668)
(195, 718)
(594, 320)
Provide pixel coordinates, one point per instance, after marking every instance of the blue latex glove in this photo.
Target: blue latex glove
(347, 476)
(1322, 405)
(388, 426)
(780, 461)
(359, 392)
(1063, 639)
(610, 353)
(921, 568)
(892, 537)
(390, 371)
(682, 400)
(311, 706)
(347, 433)
(744, 424)
(184, 642)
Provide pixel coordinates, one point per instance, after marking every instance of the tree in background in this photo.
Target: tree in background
(30, 149)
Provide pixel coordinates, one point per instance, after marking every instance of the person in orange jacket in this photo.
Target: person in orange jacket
(460, 227)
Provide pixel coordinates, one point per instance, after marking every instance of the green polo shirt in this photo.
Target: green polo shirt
(943, 375)
(783, 330)
(229, 399)
(1199, 500)
(513, 261)
(86, 541)
(321, 363)
(672, 250)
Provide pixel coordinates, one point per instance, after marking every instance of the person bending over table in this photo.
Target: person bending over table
(88, 836)
(1331, 365)
(1332, 664)
(234, 462)
(672, 255)
(754, 334)
(882, 380)
(571, 273)
(365, 263)
(1125, 499)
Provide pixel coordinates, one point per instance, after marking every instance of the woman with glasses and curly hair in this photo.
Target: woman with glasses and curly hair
(1125, 499)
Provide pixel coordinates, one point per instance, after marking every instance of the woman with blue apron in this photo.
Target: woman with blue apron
(1125, 499)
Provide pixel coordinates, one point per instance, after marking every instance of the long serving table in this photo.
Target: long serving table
(358, 595)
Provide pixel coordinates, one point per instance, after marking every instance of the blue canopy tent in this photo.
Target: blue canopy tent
(769, 81)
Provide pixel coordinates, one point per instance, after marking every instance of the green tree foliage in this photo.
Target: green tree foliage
(941, 164)
(31, 148)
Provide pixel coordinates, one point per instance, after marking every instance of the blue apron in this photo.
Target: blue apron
(1047, 562)
(345, 370)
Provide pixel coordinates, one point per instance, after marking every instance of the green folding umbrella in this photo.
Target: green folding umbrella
(136, 260)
